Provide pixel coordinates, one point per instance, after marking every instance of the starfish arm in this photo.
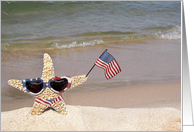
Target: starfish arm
(77, 80)
(38, 108)
(60, 107)
(17, 84)
(48, 69)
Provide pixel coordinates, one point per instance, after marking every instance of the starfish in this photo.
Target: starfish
(48, 97)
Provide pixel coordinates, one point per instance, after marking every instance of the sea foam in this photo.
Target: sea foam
(77, 44)
(173, 33)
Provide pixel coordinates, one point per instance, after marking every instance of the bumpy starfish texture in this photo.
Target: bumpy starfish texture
(49, 97)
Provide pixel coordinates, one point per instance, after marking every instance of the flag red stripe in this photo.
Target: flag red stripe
(38, 100)
(109, 71)
(104, 63)
(115, 69)
(41, 101)
(107, 74)
(57, 99)
(60, 98)
(100, 64)
(112, 69)
(100, 61)
(117, 65)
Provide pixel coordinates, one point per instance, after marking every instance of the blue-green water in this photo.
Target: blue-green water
(62, 22)
(76, 33)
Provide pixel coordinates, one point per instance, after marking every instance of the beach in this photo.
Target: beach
(143, 37)
(145, 96)
(142, 108)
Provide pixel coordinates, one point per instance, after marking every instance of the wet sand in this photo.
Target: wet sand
(148, 96)
(142, 63)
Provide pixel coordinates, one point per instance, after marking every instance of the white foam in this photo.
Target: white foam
(174, 33)
(77, 44)
(4, 46)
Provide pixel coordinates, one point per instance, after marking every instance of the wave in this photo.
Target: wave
(106, 33)
(4, 46)
(77, 44)
(165, 33)
(172, 33)
(95, 38)
(92, 19)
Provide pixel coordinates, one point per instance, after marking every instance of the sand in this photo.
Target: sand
(142, 108)
(84, 118)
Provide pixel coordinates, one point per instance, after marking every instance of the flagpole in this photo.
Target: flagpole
(90, 70)
(94, 64)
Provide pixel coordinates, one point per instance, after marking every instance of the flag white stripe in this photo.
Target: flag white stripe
(60, 97)
(101, 64)
(109, 70)
(48, 103)
(113, 69)
(106, 74)
(117, 65)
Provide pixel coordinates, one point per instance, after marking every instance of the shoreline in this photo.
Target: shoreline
(149, 62)
(147, 96)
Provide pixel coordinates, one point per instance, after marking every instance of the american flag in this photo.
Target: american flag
(48, 102)
(109, 64)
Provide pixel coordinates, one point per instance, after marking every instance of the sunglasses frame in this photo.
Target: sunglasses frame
(46, 84)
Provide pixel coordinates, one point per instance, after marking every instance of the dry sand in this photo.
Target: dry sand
(143, 108)
(85, 118)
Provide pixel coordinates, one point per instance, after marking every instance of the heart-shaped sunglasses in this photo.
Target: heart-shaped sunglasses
(37, 85)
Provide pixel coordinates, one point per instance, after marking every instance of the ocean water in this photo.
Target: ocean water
(69, 24)
(143, 36)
